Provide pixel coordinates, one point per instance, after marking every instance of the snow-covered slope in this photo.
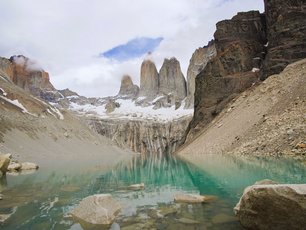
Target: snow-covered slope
(128, 109)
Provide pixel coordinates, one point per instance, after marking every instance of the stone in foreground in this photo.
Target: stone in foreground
(14, 166)
(29, 166)
(4, 163)
(99, 209)
(137, 186)
(273, 206)
(191, 198)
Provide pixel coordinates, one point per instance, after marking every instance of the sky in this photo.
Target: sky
(88, 45)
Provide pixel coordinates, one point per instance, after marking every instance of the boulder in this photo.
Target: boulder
(137, 186)
(99, 209)
(189, 198)
(273, 206)
(29, 166)
(111, 105)
(171, 79)
(14, 166)
(4, 163)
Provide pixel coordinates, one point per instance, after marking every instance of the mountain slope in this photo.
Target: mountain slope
(33, 130)
(266, 119)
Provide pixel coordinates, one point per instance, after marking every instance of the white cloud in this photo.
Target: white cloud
(67, 35)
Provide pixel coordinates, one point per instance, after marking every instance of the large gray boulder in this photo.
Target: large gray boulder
(99, 209)
(171, 79)
(273, 206)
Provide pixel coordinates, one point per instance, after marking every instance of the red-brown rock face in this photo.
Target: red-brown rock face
(29, 76)
(26, 74)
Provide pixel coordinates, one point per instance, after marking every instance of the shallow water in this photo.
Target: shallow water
(42, 200)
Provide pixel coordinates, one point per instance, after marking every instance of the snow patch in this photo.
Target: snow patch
(19, 105)
(55, 112)
(266, 45)
(3, 92)
(156, 99)
(254, 70)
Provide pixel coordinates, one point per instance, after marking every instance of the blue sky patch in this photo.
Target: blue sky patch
(133, 48)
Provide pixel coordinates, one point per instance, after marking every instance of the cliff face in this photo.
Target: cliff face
(171, 79)
(127, 87)
(26, 74)
(286, 31)
(239, 46)
(148, 79)
(143, 136)
(197, 63)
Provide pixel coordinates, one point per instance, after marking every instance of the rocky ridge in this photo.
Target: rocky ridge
(249, 47)
(28, 75)
(239, 46)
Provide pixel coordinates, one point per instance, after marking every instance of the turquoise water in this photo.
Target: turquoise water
(42, 200)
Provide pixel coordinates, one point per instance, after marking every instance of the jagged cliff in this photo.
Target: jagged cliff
(286, 20)
(250, 46)
(148, 80)
(171, 79)
(239, 44)
(127, 87)
(143, 136)
(197, 63)
(26, 74)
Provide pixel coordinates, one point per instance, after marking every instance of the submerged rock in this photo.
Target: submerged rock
(29, 166)
(99, 209)
(136, 186)
(190, 198)
(223, 218)
(273, 206)
(188, 221)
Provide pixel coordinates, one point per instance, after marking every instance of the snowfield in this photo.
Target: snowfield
(129, 110)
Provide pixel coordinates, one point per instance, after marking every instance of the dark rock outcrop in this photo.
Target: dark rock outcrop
(127, 87)
(286, 30)
(148, 80)
(273, 206)
(171, 79)
(197, 63)
(239, 44)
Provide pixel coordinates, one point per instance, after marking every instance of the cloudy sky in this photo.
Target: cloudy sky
(87, 45)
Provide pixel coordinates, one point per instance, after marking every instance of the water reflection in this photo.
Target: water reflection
(42, 200)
